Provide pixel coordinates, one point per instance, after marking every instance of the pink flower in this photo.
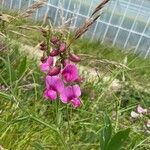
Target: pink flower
(70, 73)
(54, 85)
(71, 94)
(141, 110)
(45, 66)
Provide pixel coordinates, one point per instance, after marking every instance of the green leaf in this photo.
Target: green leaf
(22, 66)
(106, 133)
(118, 140)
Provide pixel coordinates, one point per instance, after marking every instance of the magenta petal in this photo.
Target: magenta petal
(76, 90)
(44, 67)
(70, 73)
(64, 97)
(55, 83)
(75, 102)
(47, 64)
(51, 94)
(70, 93)
(50, 61)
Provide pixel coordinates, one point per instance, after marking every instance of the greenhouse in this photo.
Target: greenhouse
(75, 75)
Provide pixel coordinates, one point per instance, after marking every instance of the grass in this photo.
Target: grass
(29, 122)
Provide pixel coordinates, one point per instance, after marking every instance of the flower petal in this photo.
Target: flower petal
(69, 93)
(134, 114)
(44, 67)
(64, 97)
(70, 72)
(50, 61)
(50, 94)
(76, 90)
(141, 110)
(75, 102)
(55, 83)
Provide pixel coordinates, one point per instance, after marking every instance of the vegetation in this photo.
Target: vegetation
(109, 95)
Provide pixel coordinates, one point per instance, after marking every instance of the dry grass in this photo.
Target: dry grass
(33, 8)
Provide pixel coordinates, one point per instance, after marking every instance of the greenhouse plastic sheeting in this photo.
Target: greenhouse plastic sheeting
(124, 23)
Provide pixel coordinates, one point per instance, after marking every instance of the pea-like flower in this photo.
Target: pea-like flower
(71, 94)
(47, 64)
(70, 73)
(54, 86)
(141, 110)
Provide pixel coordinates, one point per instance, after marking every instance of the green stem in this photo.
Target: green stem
(68, 119)
(56, 107)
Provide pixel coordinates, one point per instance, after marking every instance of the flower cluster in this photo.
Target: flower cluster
(61, 73)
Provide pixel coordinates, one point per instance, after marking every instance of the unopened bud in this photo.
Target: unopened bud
(43, 48)
(79, 79)
(54, 40)
(42, 44)
(54, 52)
(62, 47)
(74, 58)
(44, 32)
(54, 71)
(43, 59)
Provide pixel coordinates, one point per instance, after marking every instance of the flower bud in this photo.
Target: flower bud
(44, 32)
(62, 47)
(74, 58)
(54, 40)
(43, 46)
(79, 79)
(54, 71)
(43, 59)
(54, 52)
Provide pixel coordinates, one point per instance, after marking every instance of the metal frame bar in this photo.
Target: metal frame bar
(127, 39)
(106, 30)
(20, 4)
(11, 2)
(3, 4)
(121, 23)
(108, 23)
(74, 25)
(142, 34)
